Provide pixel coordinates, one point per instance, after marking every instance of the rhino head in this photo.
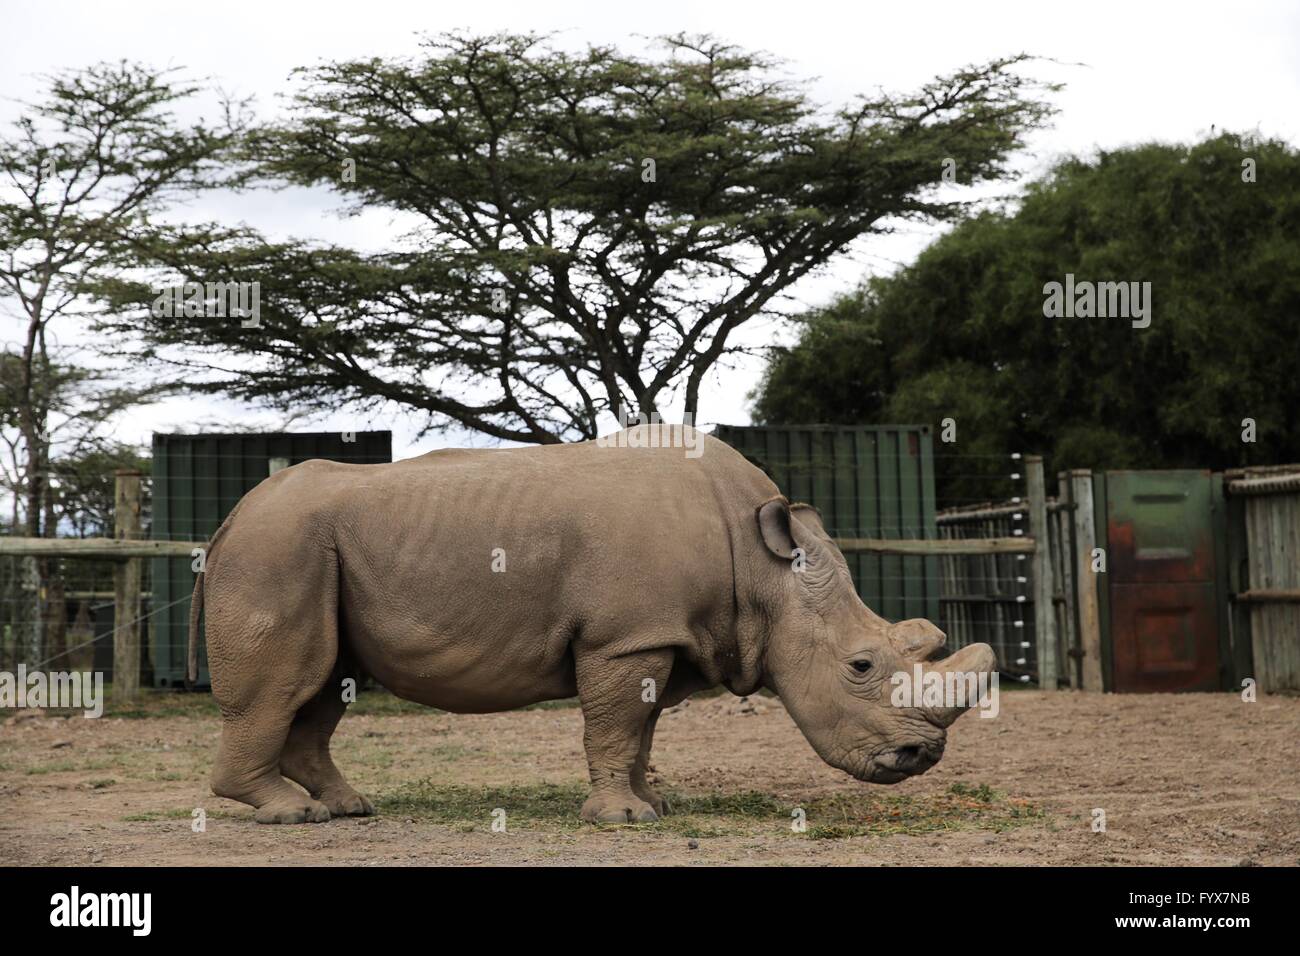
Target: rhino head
(831, 660)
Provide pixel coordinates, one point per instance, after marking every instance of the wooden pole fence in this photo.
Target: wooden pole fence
(113, 548)
(126, 588)
(1044, 611)
(1023, 545)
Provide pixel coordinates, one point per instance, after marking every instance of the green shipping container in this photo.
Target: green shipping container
(197, 480)
(867, 482)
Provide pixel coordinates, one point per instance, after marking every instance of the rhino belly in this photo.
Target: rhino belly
(444, 654)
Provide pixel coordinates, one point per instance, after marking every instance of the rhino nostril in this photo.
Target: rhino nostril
(912, 758)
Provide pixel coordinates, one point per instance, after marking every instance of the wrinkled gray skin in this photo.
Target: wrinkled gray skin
(633, 577)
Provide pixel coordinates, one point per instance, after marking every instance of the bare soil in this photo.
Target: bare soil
(1198, 779)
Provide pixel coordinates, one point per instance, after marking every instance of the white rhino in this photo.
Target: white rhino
(484, 580)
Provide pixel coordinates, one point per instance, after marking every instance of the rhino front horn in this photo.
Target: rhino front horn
(967, 674)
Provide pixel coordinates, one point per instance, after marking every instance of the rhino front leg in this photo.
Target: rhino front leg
(619, 697)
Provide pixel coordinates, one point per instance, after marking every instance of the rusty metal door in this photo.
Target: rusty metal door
(1163, 599)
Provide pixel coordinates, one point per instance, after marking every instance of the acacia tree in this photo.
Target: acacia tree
(81, 174)
(588, 231)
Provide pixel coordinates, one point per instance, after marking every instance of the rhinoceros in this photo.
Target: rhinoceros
(627, 573)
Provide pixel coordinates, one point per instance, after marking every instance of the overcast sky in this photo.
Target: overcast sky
(1134, 72)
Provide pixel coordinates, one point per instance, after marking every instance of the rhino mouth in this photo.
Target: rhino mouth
(899, 763)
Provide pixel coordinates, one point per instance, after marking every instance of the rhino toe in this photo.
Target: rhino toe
(348, 804)
(310, 811)
(627, 809)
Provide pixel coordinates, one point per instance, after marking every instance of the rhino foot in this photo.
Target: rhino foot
(347, 803)
(612, 808)
(656, 801)
(307, 811)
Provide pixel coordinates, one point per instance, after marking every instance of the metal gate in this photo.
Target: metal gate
(1164, 609)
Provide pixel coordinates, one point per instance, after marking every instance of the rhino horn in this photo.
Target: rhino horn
(971, 660)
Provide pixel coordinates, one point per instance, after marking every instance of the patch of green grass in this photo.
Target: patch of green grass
(380, 703)
(69, 766)
(159, 702)
(451, 752)
(983, 793)
(962, 807)
(174, 813)
(101, 784)
(550, 806)
(565, 703)
(375, 702)
(538, 806)
(747, 803)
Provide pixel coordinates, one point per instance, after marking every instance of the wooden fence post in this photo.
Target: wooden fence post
(1085, 537)
(1067, 621)
(126, 590)
(1044, 611)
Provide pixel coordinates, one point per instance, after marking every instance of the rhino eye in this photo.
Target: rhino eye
(862, 666)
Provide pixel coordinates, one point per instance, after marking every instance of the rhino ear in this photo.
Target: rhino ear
(809, 517)
(775, 525)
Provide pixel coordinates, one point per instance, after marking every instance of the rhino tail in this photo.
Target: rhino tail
(196, 604)
(196, 608)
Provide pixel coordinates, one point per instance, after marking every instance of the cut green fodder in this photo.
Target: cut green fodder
(550, 806)
(983, 792)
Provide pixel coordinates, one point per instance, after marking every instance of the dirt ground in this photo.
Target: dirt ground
(1193, 779)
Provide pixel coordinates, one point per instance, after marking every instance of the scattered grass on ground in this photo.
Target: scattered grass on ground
(178, 813)
(550, 806)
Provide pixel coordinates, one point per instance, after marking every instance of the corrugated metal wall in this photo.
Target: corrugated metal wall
(868, 482)
(197, 480)
(1272, 539)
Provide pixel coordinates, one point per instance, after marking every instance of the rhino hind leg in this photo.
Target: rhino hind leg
(619, 698)
(248, 769)
(306, 758)
(269, 658)
(640, 786)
